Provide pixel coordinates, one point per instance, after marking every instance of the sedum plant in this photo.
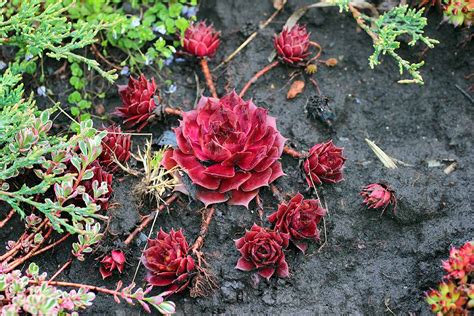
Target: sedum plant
(34, 174)
(29, 292)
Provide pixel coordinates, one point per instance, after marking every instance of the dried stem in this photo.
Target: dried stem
(249, 39)
(148, 219)
(7, 218)
(318, 54)
(258, 75)
(207, 217)
(208, 76)
(204, 282)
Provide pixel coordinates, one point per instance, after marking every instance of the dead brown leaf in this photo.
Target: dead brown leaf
(296, 88)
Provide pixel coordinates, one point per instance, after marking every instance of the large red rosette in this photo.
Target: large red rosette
(167, 261)
(262, 250)
(299, 218)
(324, 164)
(292, 45)
(229, 148)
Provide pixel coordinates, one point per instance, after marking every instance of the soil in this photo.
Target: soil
(370, 264)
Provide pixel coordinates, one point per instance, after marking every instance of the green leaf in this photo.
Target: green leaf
(74, 97)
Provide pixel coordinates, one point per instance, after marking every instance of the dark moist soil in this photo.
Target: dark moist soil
(370, 262)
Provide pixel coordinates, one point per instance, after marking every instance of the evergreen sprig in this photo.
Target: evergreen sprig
(386, 31)
(37, 29)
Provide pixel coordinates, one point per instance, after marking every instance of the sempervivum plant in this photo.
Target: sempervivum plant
(459, 12)
(455, 295)
(168, 262)
(229, 148)
(379, 196)
(138, 102)
(292, 45)
(460, 264)
(114, 261)
(261, 249)
(448, 299)
(324, 164)
(201, 40)
(115, 146)
(299, 218)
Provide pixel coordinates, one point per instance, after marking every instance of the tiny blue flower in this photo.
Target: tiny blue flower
(125, 71)
(148, 61)
(135, 22)
(28, 57)
(168, 61)
(171, 89)
(41, 91)
(179, 60)
(192, 12)
(3, 65)
(159, 29)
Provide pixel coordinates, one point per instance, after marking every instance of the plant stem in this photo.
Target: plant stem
(30, 254)
(293, 153)
(57, 242)
(64, 266)
(360, 21)
(18, 244)
(204, 229)
(7, 218)
(208, 76)
(171, 111)
(258, 75)
(86, 286)
(148, 219)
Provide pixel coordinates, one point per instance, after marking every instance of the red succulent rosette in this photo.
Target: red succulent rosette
(324, 164)
(100, 176)
(167, 261)
(299, 218)
(201, 40)
(292, 45)
(460, 265)
(378, 195)
(229, 148)
(115, 145)
(116, 260)
(262, 250)
(137, 102)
